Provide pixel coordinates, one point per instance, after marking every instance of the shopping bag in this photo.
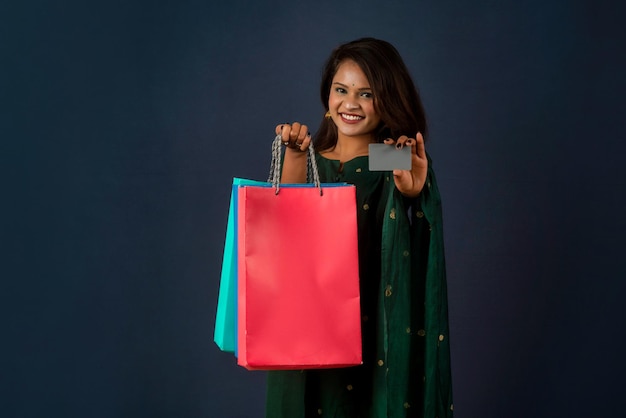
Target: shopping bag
(225, 331)
(298, 282)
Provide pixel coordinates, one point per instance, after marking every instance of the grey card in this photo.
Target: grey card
(383, 157)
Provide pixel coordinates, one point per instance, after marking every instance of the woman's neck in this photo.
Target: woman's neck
(348, 148)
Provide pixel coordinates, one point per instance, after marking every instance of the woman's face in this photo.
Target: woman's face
(351, 102)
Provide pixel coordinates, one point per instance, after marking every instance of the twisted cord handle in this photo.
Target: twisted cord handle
(312, 175)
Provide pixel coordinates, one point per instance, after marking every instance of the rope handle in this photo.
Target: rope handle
(312, 174)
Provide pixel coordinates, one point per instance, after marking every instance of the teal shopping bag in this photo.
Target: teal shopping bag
(225, 334)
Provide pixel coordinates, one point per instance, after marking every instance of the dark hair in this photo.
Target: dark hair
(396, 98)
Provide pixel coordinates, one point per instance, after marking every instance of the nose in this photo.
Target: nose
(350, 103)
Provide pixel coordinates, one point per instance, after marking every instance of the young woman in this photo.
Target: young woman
(369, 97)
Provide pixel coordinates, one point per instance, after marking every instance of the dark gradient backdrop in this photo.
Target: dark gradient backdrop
(123, 122)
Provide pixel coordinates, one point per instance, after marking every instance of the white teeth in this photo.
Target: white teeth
(351, 117)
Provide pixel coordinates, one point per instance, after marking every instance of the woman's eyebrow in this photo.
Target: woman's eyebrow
(345, 85)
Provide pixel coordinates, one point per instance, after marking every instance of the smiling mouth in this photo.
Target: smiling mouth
(351, 117)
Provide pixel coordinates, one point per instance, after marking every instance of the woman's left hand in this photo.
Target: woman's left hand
(411, 182)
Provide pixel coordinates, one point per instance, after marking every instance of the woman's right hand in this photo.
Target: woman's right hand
(296, 136)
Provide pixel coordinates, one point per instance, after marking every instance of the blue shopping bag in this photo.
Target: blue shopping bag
(225, 334)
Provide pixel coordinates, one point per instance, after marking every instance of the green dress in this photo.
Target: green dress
(406, 356)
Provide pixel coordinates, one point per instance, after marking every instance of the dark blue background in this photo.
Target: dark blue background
(122, 124)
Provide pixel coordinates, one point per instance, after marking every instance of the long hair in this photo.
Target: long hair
(396, 98)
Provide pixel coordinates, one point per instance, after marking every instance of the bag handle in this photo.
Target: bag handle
(312, 174)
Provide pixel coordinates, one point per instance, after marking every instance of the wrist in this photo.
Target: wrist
(294, 153)
(411, 195)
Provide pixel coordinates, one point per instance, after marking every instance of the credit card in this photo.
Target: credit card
(383, 157)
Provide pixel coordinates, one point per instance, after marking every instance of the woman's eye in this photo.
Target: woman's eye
(367, 94)
(340, 90)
